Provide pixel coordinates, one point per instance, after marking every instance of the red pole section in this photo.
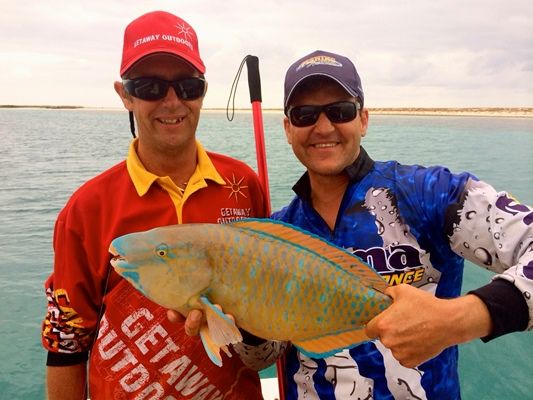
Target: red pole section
(254, 84)
(260, 150)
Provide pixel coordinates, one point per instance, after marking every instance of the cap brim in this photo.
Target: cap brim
(196, 64)
(315, 74)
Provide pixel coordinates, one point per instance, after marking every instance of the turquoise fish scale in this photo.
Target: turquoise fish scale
(257, 277)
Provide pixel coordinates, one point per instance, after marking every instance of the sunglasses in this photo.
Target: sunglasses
(150, 89)
(338, 112)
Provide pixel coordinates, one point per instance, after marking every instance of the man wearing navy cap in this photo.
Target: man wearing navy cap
(415, 226)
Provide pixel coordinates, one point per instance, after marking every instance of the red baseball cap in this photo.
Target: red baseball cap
(160, 32)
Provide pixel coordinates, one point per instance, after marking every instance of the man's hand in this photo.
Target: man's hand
(194, 319)
(418, 326)
(191, 324)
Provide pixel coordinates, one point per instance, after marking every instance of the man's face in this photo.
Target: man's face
(325, 148)
(167, 125)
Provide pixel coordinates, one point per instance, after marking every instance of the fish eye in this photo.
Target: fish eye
(161, 250)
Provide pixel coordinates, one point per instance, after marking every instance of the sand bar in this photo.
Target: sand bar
(522, 112)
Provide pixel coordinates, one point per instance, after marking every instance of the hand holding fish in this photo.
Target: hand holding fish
(193, 321)
(418, 326)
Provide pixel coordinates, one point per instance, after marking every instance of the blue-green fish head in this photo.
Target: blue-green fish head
(165, 267)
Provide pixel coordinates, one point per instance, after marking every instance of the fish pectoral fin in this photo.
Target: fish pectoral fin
(222, 329)
(325, 346)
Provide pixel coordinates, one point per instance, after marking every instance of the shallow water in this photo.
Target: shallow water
(46, 154)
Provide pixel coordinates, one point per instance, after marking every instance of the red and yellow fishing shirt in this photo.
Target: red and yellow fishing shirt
(137, 352)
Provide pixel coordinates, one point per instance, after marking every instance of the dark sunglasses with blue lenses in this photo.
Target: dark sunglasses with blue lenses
(338, 112)
(147, 88)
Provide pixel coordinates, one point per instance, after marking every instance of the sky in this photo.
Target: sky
(409, 53)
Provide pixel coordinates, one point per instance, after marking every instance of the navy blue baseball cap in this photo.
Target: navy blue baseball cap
(322, 63)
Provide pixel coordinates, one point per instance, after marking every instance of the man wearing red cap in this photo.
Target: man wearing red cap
(93, 315)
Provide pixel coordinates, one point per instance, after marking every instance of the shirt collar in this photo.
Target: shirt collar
(356, 171)
(143, 179)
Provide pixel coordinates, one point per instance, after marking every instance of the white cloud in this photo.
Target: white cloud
(409, 53)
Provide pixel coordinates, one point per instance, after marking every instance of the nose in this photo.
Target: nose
(171, 96)
(323, 124)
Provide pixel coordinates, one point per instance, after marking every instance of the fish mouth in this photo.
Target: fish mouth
(117, 260)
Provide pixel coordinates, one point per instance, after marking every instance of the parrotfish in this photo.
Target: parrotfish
(278, 281)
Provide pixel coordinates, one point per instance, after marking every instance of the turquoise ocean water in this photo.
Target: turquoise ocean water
(46, 154)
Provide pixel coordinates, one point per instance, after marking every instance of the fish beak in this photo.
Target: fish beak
(112, 250)
(117, 258)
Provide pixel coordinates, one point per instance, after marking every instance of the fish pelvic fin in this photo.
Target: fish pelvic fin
(219, 332)
(301, 238)
(325, 346)
(212, 349)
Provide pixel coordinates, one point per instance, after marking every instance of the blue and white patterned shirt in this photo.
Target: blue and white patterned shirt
(414, 225)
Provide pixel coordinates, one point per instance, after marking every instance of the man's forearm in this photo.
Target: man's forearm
(67, 382)
(507, 307)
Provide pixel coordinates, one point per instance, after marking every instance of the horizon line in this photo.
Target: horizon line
(407, 108)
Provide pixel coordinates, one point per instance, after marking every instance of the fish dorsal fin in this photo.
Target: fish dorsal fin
(331, 344)
(282, 231)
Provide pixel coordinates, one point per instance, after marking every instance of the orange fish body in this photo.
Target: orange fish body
(279, 282)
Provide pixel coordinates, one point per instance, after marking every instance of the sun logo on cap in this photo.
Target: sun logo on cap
(184, 30)
(235, 187)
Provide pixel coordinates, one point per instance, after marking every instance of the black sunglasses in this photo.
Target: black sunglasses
(148, 88)
(338, 112)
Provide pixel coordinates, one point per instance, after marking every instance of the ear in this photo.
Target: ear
(364, 121)
(125, 97)
(287, 127)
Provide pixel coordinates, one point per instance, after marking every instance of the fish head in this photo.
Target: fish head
(167, 268)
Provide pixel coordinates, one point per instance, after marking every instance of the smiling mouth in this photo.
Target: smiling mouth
(324, 145)
(171, 121)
